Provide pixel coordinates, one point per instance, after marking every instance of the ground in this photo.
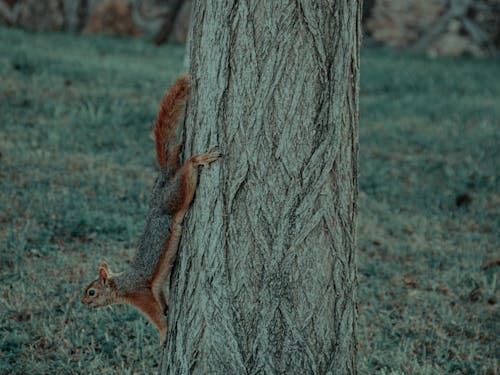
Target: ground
(77, 163)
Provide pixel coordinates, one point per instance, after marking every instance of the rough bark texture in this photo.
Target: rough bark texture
(265, 278)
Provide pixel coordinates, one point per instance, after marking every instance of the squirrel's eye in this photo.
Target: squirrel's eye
(91, 292)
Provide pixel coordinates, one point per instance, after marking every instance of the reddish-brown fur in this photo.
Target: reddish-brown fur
(167, 119)
(149, 298)
(142, 301)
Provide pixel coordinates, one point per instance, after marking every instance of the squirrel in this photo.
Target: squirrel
(142, 284)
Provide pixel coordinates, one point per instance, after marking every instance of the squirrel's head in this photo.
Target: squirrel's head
(100, 292)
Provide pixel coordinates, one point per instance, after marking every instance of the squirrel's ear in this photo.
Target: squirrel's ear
(103, 272)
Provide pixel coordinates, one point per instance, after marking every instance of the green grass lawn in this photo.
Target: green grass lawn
(77, 163)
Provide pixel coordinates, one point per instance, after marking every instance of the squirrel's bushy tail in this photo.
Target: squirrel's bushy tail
(168, 118)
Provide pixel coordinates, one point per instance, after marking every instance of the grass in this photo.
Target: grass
(76, 166)
(429, 133)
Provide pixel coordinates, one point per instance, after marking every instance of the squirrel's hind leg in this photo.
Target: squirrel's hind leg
(186, 180)
(189, 177)
(204, 159)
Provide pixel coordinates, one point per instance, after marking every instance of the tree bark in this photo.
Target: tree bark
(265, 279)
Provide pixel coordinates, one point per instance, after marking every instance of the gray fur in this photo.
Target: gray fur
(155, 234)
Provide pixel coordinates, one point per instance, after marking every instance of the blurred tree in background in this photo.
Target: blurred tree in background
(163, 18)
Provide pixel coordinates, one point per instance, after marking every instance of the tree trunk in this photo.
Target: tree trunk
(265, 279)
(169, 21)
